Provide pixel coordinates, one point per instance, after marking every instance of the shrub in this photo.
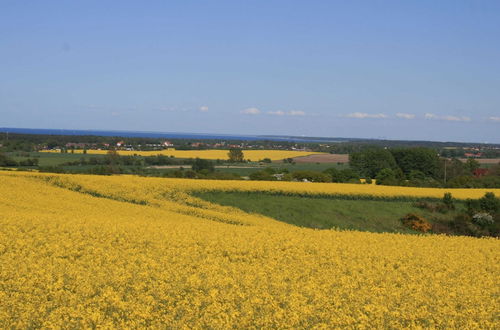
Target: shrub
(424, 205)
(262, 176)
(416, 222)
(482, 219)
(489, 203)
(202, 164)
(312, 176)
(473, 206)
(448, 201)
(386, 177)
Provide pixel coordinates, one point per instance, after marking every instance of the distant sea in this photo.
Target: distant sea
(168, 135)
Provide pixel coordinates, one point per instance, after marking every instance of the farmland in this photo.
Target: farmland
(253, 155)
(126, 251)
(325, 212)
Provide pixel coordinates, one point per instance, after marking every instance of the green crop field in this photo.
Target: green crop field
(325, 213)
(50, 159)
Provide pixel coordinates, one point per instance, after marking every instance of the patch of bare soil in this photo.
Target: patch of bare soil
(323, 158)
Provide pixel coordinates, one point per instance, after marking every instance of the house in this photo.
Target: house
(119, 144)
(167, 144)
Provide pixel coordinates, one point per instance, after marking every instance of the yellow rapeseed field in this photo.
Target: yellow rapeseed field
(81, 251)
(253, 155)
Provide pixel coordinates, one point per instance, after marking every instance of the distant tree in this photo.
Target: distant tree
(448, 201)
(202, 164)
(371, 161)
(416, 175)
(386, 176)
(344, 175)
(489, 203)
(424, 160)
(452, 169)
(235, 155)
(471, 165)
(6, 161)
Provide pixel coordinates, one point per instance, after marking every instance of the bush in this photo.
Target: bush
(482, 219)
(202, 164)
(312, 176)
(489, 203)
(262, 176)
(386, 177)
(461, 224)
(416, 222)
(448, 201)
(345, 175)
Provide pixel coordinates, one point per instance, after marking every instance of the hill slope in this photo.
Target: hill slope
(86, 251)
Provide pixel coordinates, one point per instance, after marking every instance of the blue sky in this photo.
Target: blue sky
(373, 69)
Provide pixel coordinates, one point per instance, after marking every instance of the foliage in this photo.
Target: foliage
(448, 201)
(311, 176)
(371, 161)
(235, 155)
(262, 176)
(423, 160)
(482, 219)
(343, 175)
(416, 222)
(386, 177)
(471, 165)
(489, 203)
(202, 164)
(6, 161)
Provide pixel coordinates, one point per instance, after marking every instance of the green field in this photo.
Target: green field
(325, 213)
(50, 159)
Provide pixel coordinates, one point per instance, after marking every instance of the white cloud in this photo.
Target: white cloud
(251, 111)
(288, 113)
(362, 115)
(276, 113)
(405, 115)
(204, 108)
(494, 118)
(296, 113)
(455, 118)
(447, 117)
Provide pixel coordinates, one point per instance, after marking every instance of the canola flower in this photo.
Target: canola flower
(254, 155)
(129, 252)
